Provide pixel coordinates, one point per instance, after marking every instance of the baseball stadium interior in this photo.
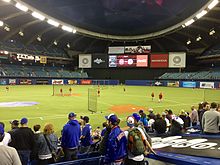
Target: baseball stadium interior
(109, 82)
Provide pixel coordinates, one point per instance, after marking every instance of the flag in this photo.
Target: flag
(177, 59)
(85, 60)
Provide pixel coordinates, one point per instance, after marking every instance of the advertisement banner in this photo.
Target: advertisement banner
(86, 82)
(112, 61)
(25, 82)
(207, 85)
(43, 59)
(173, 84)
(57, 81)
(24, 57)
(177, 59)
(138, 49)
(99, 61)
(142, 61)
(116, 50)
(85, 60)
(42, 82)
(12, 81)
(3, 82)
(72, 82)
(189, 84)
(159, 60)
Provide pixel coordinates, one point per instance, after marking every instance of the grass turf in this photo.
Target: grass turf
(54, 109)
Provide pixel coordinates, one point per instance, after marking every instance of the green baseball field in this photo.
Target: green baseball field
(37, 103)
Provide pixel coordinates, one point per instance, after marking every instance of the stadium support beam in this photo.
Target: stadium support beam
(15, 31)
(20, 13)
(211, 19)
(32, 39)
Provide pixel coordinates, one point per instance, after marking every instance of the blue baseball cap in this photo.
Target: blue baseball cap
(112, 117)
(24, 121)
(71, 114)
(1, 129)
(136, 117)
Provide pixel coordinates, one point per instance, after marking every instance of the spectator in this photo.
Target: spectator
(211, 120)
(104, 125)
(194, 116)
(185, 117)
(97, 134)
(7, 137)
(14, 126)
(144, 120)
(23, 141)
(86, 137)
(151, 114)
(8, 154)
(160, 125)
(34, 153)
(167, 121)
(70, 138)
(116, 143)
(206, 107)
(169, 115)
(175, 128)
(136, 154)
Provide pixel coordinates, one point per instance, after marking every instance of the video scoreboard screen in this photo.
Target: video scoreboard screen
(125, 61)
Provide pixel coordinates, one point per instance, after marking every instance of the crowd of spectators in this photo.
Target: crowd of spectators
(130, 145)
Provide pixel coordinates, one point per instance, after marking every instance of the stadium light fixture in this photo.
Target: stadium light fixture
(188, 42)
(7, 28)
(21, 7)
(67, 28)
(68, 45)
(1, 23)
(52, 22)
(6, 52)
(201, 14)
(55, 42)
(39, 39)
(198, 38)
(21, 33)
(183, 26)
(189, 22)
(7, 1)
(211, 32)
(38, 16)
(213, 4)
(74, 31)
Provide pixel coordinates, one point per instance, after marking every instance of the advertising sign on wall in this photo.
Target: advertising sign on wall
(207, 85)
(42, 82)
(138, 49)
(142, 61)
(72, 82)
(86, 82)
(189, 84)
(3, 82)
(159, 61)
(112, 61)
(12, 81)
(177, 59)
(57, 82)
(173, 84)
(99, 61)
(85, 60)
(25, 82)
(116, 50)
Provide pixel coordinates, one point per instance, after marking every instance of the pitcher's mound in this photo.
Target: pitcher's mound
(127, 108)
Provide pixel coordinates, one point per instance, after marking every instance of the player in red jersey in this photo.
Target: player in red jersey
(160, 97)
(61, 91)
(98, 92)
(152, 96)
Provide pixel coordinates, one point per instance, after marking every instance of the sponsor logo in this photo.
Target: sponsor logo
(98, 61)
(85, 60)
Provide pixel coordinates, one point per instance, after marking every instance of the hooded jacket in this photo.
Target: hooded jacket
(71, 135)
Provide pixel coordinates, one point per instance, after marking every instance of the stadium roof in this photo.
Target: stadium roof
(101, 23)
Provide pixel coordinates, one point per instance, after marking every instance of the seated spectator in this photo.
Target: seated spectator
(167, 121)
(23, 141)
(175, 128)
(8, 154)
(160, 125)
(97, 134)
(211, 120)
(14, 126)
(185, 117)
(86, 137)
(151, 114)
(7, 136)
(143, 119)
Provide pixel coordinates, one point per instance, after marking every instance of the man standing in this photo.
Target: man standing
(194, 116)
(8, 155)
(7, 136)
(23, 141)
(14, 126)
(211, 120)
(116, 142)
(86, 137)
(201, 112)
(70, 138)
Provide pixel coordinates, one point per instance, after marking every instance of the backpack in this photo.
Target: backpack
(136, 142)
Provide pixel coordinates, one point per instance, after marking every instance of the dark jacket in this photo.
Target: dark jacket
(71, 134)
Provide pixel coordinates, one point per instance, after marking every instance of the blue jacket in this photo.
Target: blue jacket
(87, 133)
(71, 135)
(116, 145)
